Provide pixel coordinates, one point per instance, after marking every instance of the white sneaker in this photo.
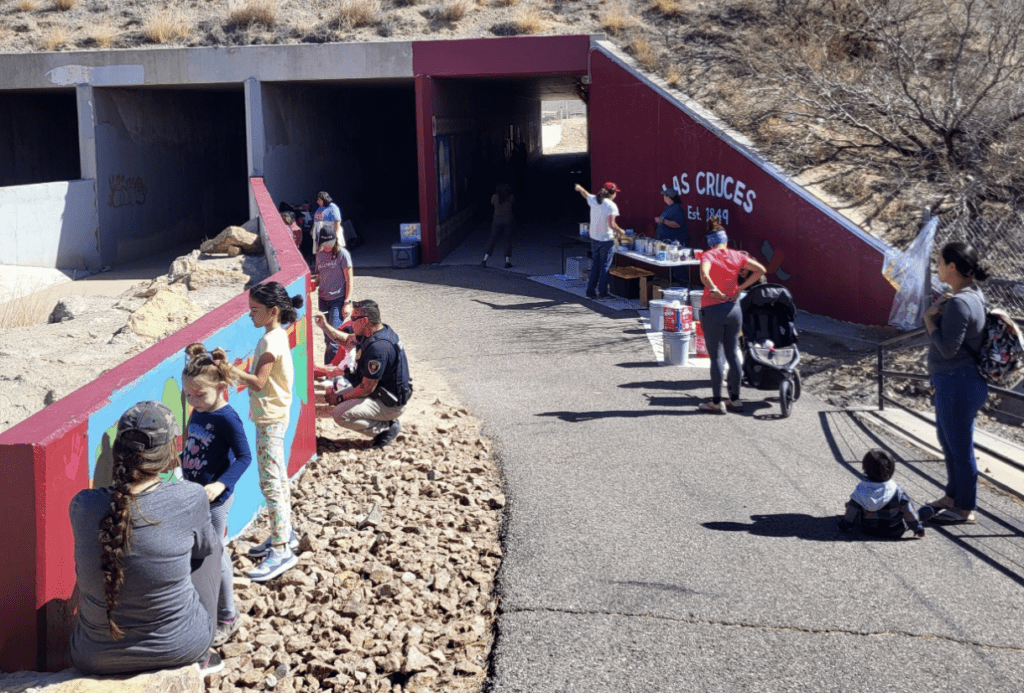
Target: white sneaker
(277, 562)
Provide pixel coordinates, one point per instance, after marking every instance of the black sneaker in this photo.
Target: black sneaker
(210, 663)
(508, 265)
(387, 437)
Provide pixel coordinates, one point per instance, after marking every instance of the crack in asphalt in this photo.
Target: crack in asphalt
(753, 626)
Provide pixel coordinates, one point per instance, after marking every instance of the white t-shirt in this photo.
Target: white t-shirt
(599, 213)
(272, 403)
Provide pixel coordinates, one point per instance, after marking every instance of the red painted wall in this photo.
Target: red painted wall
(642, 140)
(44, 462)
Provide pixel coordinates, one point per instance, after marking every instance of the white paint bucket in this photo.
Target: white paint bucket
(657, 307)
(677, 347)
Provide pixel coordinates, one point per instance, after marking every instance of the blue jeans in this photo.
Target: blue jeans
(603, 255)
(721, 324)
(332, 309)
(959, 394)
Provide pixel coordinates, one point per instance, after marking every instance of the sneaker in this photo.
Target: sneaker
(711, 407)
(925, 513)
(734, 405)
(225, 631)
(261, 549)
(484, 263)
(277, 562)
(210, 663)
(606, 297)
(508, 265)
(387, 437)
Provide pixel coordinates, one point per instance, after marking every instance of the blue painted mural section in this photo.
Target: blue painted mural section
(163, 383)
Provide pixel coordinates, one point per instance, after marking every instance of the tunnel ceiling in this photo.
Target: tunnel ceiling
(542, 87)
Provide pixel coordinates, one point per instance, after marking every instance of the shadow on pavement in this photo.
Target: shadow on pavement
(785, 525)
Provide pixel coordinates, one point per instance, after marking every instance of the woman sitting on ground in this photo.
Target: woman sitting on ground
(146, 558)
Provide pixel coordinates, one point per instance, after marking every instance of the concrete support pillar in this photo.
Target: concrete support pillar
(86, 131)
(254, 134)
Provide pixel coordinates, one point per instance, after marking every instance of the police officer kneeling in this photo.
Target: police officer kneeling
(381, 385)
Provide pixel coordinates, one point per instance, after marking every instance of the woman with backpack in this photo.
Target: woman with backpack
(955, 325)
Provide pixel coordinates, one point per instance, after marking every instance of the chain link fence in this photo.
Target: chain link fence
(1000, 244)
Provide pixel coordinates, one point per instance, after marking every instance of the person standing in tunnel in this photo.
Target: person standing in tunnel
(501, 225)
(328, 215)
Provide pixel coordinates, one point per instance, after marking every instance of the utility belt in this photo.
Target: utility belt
(390, 399)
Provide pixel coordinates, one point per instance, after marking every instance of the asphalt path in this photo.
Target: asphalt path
(650, 547)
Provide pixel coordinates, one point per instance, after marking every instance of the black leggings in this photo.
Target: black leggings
(206, 578)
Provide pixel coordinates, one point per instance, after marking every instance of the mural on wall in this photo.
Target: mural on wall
(126, 190)
(164, 384)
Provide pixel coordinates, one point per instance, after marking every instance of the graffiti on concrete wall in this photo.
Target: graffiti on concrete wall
(127, 190)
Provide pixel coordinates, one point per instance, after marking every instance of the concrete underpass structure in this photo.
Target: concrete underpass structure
(108, 156)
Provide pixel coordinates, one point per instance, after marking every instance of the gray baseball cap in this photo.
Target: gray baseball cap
(147, 425)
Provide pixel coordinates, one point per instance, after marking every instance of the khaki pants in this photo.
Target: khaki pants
(368, 416)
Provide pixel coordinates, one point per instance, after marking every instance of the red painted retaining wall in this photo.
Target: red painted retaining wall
(46, 459)
(641, 139)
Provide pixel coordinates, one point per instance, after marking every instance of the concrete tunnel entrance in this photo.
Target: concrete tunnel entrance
(356, 141)
(38, 137)
(171, 167)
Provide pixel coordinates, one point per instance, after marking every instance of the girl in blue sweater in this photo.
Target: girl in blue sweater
(215, 455)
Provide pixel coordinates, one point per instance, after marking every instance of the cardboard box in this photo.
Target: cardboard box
(625, 281)
(409, 233)
(576, 267)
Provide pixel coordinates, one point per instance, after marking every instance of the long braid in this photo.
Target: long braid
(115, 531)
(116, 534)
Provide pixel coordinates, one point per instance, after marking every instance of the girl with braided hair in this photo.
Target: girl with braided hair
(215, 455)
(146, 558)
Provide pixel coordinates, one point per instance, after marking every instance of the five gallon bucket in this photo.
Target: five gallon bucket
(677, 347)
(657, 307)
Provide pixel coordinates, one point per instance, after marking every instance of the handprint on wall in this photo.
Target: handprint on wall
(72, 461)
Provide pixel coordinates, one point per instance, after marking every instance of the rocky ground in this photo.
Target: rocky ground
(398, 554)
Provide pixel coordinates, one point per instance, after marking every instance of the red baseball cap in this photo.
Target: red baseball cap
(611, 186)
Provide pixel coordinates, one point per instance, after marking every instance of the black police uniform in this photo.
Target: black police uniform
(382, 358)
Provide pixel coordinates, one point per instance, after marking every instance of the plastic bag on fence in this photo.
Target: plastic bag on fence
(910, 273)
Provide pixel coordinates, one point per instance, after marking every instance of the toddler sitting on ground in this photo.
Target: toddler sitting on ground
(881, 506)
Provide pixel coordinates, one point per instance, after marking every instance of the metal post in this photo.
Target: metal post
(881, 379)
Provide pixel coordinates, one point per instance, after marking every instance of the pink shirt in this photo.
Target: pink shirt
(725, 266)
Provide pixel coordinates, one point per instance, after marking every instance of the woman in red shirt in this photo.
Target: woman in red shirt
(720, 315)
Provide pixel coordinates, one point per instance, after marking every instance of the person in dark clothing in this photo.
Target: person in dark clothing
(879, 505)
(672, 221)
(381, 386)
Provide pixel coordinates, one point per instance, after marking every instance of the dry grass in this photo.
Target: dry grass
(505, 3)
(103, 34)
(617, 17)
(353, 13)
(167, 25)
(528, 20)
(452, 10)
(53, 38)
(64, 5)
(28, 5)
(674, 76)
(254, 12)
(669, 8)
(644, 53)
(30, 309)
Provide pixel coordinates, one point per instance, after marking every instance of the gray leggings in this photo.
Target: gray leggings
(226, 603)
(721, 324)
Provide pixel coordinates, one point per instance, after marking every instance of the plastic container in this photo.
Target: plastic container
(657, 307)
(676, 294)
(695, 299)
(405, 255)
(677, 348)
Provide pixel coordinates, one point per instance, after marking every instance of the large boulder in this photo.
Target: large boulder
(166, 312)
(234, 240)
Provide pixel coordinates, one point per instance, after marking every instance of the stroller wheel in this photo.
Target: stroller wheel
(796, 385)
(786, 396)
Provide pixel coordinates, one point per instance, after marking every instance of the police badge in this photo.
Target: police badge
(373, 367)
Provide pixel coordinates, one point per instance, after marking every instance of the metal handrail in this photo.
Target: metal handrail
(882, 398)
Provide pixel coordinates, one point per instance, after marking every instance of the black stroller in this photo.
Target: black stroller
(770, 355)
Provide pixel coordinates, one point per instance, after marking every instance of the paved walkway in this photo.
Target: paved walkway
(649, 547)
